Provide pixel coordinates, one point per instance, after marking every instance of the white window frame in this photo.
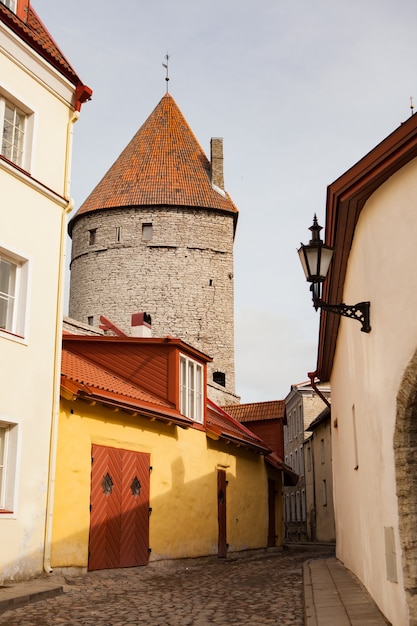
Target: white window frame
(9, 464)
(27, 128)
(18, 322)
(191, 389)
(303, 505)
(17, 138)
(10, 4)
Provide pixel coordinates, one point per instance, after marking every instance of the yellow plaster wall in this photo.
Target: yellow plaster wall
(183, 485)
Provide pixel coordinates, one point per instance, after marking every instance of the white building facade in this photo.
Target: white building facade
(371, 221)
(40, 97)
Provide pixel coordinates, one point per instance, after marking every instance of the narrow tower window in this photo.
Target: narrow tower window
(219, 378)
(90, 320)
(147, 232)
(118, 234)
(92, 236)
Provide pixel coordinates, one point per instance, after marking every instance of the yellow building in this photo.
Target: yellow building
(147, 467)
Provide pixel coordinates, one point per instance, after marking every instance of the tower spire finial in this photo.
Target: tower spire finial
(165, 65)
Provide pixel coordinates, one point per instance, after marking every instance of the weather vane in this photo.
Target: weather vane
(411, 105)
(165, 65)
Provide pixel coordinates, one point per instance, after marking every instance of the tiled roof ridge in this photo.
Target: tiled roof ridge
(162, 165)
(35, 33)
(257, 411)
(247, 404)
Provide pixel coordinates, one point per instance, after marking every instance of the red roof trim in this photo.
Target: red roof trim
(346, 198)
(36, 35)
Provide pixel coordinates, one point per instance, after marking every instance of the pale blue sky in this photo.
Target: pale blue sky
(299, 90)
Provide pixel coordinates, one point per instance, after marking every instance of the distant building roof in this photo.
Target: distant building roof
(221, 424)
(163, 165)
(257, 411)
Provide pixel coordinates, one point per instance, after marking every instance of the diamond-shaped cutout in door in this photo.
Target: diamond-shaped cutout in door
(135, 486)
(107, 484)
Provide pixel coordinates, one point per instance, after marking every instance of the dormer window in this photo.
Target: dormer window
(10, 4)
(191, 389)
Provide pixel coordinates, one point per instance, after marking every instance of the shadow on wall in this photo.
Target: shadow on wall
(127, 527)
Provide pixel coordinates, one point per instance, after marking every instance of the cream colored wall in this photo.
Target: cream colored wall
(47, 98)
(325, 530)
(183, 485)
(32, 217)
(365, 380)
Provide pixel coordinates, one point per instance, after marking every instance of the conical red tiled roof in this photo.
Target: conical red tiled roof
(162, 165)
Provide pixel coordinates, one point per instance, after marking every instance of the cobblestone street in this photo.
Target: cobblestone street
(258, 589)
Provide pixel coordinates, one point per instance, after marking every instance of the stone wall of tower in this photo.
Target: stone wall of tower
(172, 262)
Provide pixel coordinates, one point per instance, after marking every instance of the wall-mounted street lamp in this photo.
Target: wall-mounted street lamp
(315, 259)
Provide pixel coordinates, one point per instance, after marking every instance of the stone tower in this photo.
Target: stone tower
(156, 235)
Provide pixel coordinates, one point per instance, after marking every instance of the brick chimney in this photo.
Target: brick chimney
(141, 325)
(216, 154)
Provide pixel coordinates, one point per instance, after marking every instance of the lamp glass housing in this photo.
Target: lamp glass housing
(315, 260)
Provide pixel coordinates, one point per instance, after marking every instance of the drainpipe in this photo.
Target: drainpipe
(58, 348)
(312, 376)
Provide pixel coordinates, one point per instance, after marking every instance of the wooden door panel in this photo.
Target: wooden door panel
(134, 542)
(105, 508)
(119, 517)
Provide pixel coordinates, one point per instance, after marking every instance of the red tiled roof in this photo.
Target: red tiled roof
(37, 36)
(220, 424)
(257, 411)
(162, 165)
(87, 380)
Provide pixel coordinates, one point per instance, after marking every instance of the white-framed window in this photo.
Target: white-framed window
(10, 4)
(298, 506)
(13, 126)
(295, 424)
(292, 507)
(8, 465)
(301, 419)
(191, 389)
(296, 462)
(301, 461)
(14, 273)
(303, 505)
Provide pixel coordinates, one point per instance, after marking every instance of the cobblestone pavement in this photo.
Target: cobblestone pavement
(258, 589)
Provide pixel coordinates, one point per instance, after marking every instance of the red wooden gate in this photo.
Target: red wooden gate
(119, 518)
(221, 512)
